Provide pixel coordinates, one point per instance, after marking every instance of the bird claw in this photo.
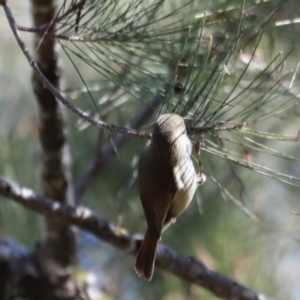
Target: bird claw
(201, 178)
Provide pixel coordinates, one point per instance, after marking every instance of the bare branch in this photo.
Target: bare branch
(186, 268)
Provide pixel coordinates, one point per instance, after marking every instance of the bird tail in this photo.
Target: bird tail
(144, 264)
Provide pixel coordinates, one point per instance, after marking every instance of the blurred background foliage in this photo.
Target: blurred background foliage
(231, 67)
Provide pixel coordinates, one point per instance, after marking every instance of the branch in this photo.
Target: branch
(82, 114)
(185, 268)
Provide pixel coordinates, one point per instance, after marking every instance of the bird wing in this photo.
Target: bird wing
(157, 190)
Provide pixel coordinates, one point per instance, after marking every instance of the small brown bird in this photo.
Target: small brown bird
(167, 183)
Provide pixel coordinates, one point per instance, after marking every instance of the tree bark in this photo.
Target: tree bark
(60, 239)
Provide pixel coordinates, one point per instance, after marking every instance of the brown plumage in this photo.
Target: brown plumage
(167, 183)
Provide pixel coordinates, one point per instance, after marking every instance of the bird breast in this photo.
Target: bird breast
(186, 181)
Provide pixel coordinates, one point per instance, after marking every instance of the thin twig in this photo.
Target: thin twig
(41, 29)
(186, 268)
(197, 130)
(78, 16)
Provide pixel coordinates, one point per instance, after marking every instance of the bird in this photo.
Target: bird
(167, 182)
